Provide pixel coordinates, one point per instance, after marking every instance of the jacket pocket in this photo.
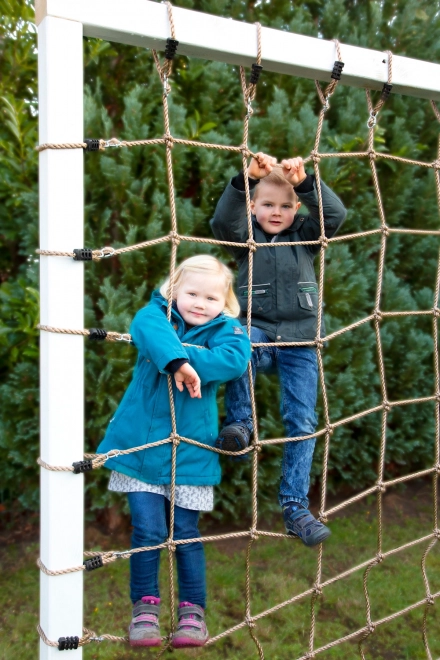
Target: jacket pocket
(261, 298)
(307, 309)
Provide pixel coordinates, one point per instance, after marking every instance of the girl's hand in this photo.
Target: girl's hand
(293, 170)
(261, 166)
(188, 376)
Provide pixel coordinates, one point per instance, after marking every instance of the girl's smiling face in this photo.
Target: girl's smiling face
(200, 297)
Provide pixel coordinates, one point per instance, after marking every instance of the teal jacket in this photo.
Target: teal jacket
(284, 289)
(143, 416)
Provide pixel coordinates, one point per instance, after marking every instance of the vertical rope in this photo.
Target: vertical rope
(319, 344)
(248, 96)
(164, 72)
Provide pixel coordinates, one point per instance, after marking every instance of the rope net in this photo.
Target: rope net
(94, 461)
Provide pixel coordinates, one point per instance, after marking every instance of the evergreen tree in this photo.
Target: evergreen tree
(127, 202)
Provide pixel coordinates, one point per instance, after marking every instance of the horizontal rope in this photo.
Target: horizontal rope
(88, 637)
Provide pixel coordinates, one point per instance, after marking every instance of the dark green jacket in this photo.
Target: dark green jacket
(284, 289)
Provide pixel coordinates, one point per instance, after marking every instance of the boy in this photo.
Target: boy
(284, 309)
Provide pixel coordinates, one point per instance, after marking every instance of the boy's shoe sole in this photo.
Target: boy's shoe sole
(303, 524)
(234, 437)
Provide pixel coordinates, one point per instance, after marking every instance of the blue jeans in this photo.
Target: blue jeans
(298, 373)
(150, 515)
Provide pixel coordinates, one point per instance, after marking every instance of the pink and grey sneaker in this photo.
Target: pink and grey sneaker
(144, 626)
(191, 628)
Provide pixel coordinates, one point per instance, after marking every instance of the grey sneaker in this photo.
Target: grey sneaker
(144, 626)
(191, 629)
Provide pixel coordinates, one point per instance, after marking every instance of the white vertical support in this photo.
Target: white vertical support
(60, 66)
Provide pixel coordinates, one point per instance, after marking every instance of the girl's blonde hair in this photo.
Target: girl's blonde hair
(204, 264)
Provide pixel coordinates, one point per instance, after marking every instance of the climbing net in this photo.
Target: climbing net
(95, 560)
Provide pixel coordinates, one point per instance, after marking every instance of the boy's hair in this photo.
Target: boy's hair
(275, 178)
(205, 263)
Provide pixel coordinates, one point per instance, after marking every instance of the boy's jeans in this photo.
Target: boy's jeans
(150, 514)
(298, 373)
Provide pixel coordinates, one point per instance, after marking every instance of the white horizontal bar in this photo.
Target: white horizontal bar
(145, 23)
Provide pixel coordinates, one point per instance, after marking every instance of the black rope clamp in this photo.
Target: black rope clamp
(386, 91)
(337, 70)
(83, 254)
(82, 466)
(255, 73)
(97, 333)
(171, 48)
(93, 563)
(68, 643)
(92, 144)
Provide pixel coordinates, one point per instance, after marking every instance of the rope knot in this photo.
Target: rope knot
(245, 150)
(322, 517)
(314, 155)
(380, 489)
(319, 344)
(371, 628)
(372, 154)
(175, 438)
(171, 545)
(385, 230)
(330, 429)
(379, 558)
(386, 406)
(436, 312)
(169, 140)
(437, 534)
(317, 589)
(251, 244)
(253, 533)
(175, 238)
(430, 600)
(436, 164)
(377, 315)
(324, 242)
(437, 468)
(250, 622)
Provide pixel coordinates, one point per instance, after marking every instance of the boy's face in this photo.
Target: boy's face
(274, 207)
(200, 297)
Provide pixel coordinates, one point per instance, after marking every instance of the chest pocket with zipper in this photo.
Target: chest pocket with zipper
(261, 298)
(307, 309)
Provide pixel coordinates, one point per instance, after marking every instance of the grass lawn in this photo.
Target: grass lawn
(281, 568)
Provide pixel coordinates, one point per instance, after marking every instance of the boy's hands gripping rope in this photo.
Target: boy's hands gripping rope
(262, 165)
(293, 170)
(189, 377)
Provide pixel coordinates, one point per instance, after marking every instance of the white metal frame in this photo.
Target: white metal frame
(61, 26)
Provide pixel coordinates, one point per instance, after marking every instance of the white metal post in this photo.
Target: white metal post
(60, 65)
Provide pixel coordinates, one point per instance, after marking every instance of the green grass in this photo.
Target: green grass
(281, 568)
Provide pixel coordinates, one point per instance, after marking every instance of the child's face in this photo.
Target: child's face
(274, 207)
(200, 297)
